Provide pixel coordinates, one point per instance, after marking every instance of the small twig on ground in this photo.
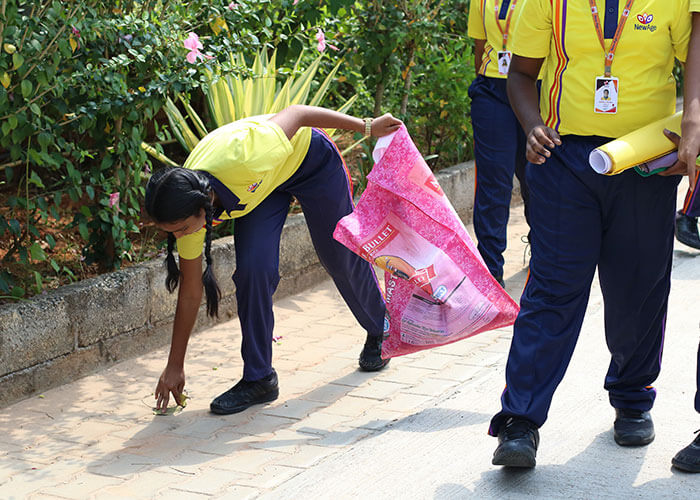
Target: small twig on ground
(182, 471)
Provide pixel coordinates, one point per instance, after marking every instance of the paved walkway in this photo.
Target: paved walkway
(415, 430)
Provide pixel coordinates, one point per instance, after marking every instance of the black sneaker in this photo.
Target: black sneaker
(633, 427)
(517, 444)
(371, 355)
(246, 394)
(688, 459)
(687, 230)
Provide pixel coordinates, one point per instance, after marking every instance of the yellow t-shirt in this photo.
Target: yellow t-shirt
(250, 158)
(563, 33)
(694, 5)
(482, 26)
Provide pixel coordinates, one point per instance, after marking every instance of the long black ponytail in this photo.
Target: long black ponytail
(174, 194)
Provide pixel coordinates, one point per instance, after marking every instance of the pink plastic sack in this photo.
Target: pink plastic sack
(438, 289)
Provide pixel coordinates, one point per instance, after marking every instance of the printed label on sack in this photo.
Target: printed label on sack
(380, 239)
(444, 302)
(401, 251)
(429, 322)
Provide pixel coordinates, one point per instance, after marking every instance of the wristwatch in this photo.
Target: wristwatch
(368, 126)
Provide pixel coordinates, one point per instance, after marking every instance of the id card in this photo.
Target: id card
(606, 95)
(504, 57)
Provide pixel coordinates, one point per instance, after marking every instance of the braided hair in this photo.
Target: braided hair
(174, 194)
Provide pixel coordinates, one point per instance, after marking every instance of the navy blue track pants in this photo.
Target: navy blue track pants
(499, 151)
(580, 220)
(322, 187)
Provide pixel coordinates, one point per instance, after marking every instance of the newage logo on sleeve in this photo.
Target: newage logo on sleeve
(644, 23)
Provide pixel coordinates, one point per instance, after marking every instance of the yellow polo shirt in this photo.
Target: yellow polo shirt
(694, 5)
(249, 158)
(482, 25)
(563, 33)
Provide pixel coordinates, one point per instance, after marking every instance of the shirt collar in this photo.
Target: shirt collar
(229, 201)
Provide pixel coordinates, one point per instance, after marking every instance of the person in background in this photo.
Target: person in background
(499, 141)
(249, 170)
(580, 220)
(688, 459)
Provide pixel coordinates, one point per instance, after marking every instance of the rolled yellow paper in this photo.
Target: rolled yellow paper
(638, 147)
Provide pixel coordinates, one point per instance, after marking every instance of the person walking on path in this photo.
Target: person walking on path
(580, 220)
(499, 141)
(687, 218)
(249, 170)
(688, 459)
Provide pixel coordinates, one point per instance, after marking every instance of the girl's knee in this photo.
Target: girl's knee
(255, 274)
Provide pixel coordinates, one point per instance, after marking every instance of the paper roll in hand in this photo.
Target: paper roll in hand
(636, 148)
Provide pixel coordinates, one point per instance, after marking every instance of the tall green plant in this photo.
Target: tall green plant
(264, 90)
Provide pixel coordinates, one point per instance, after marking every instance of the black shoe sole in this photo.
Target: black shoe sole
(692, 243)
(634, 440)
(271, 396)
(373, 368)
(513, 458)
(685, 467)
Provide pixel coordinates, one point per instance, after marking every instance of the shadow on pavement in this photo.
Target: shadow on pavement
(602, 470)
(425, 421)
(172, 442)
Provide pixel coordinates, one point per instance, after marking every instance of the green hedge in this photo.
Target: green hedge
(82, 84)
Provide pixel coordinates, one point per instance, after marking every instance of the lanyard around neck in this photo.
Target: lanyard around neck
(610, 54)
(504, 32)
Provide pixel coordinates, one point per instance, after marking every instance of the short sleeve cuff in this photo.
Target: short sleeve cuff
(190, 246)
(525, 50)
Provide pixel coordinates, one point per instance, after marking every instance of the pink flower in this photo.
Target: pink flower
(333, 46)
(113, 199)
(232, 6)
(295, 2)
(75, 31)
(321, 38)
(194, 45)
(192, 42)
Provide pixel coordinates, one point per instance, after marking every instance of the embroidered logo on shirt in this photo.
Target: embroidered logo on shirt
(645, 18)
(645, 22)
(254, 186)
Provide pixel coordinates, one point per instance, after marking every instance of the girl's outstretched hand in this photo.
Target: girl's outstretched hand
(172, 380)
(385, 125)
